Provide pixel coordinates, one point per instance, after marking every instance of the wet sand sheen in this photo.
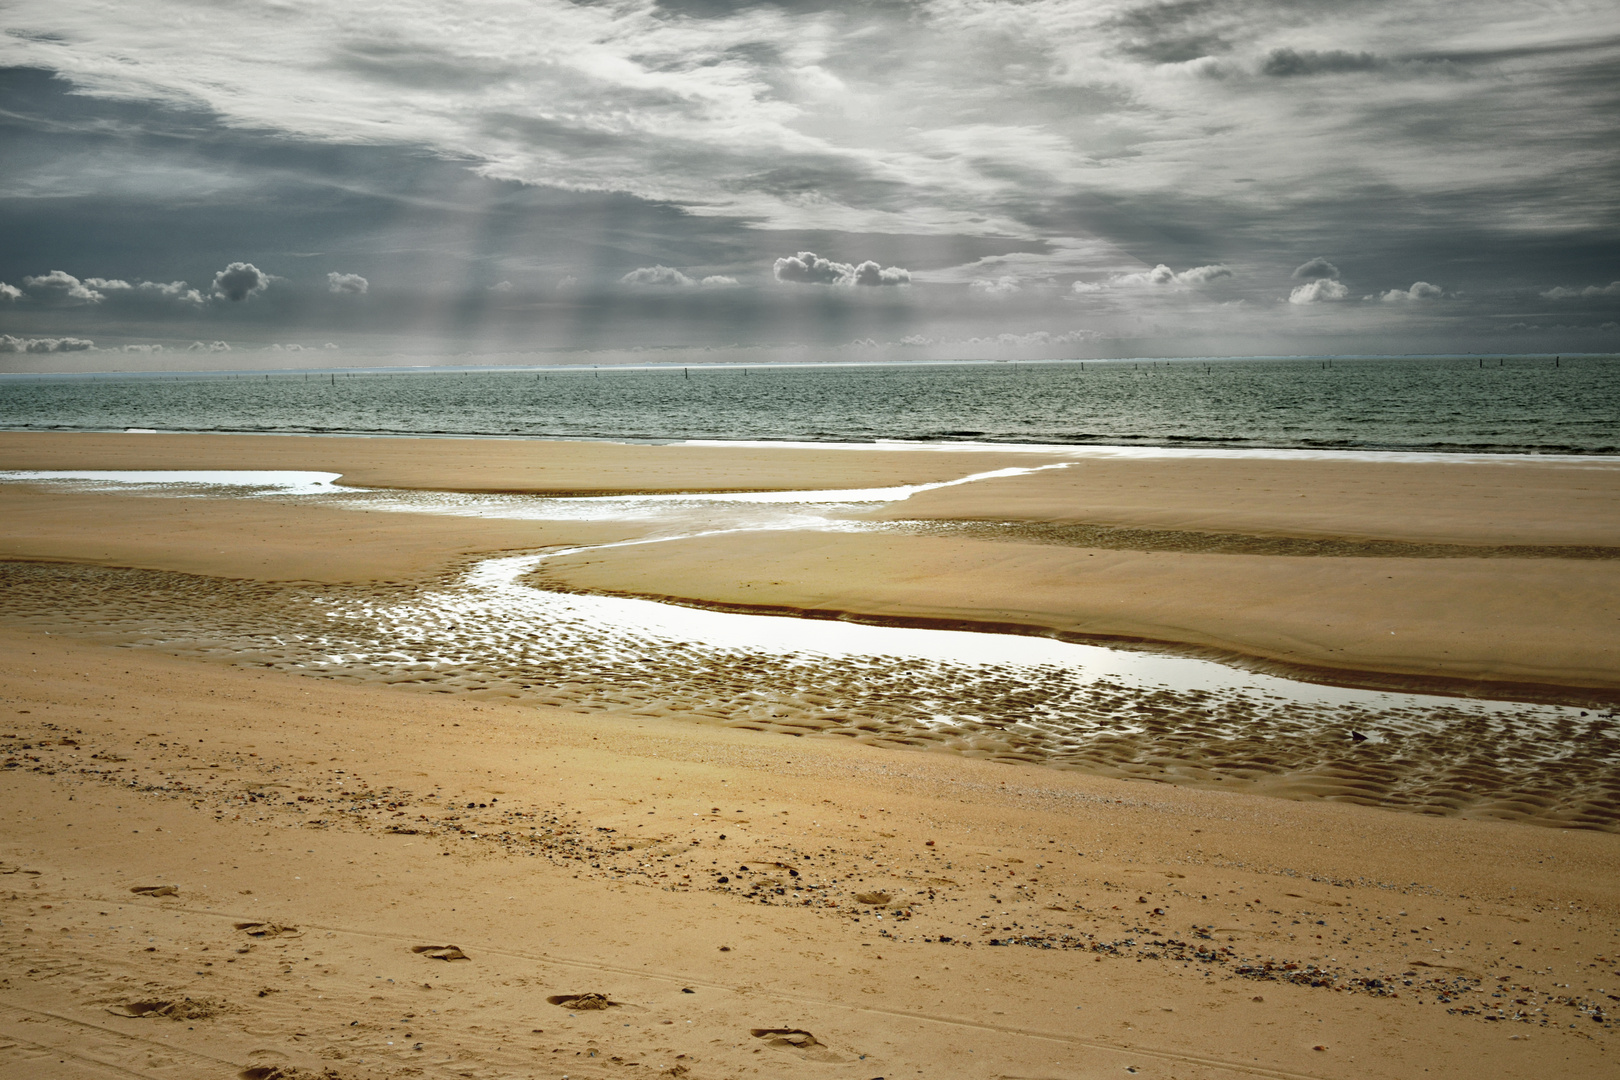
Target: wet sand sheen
(481, 634)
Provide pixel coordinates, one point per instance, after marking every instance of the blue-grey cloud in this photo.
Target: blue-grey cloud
(1316, 269)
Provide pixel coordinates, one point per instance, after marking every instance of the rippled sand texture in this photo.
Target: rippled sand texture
(480, 632)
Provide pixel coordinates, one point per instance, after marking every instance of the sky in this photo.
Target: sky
(282, 183)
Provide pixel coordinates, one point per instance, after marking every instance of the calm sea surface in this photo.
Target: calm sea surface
(1510, 404)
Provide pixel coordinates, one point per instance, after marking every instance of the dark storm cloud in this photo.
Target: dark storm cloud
(239, 281)
(1286, 63)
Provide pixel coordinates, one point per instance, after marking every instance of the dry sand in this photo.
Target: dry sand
(315, 836)
(724, 887)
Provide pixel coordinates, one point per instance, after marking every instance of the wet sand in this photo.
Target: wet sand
(1544, 627)
(504, 465)
(761, 893)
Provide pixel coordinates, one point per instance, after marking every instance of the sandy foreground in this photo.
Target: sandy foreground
(759, 904)
(316, 835)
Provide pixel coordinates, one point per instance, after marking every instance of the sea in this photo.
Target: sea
(1469, 404)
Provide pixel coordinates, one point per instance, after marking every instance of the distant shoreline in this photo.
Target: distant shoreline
(736, 365)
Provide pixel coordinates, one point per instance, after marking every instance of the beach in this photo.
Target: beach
(379, 873)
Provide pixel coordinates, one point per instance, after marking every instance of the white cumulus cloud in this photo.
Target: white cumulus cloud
(661, 275)
(1006, 285)
(10, 292)
(1420, 290)
(352, 284)
(9, 344)
(657, 275)
(1163, 275)
(172, 290)
(1561, 293)
(1320, 291)
(808, 268)
(62, 287)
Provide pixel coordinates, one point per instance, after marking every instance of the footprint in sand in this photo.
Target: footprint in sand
(268, 930)
(582, 1002)
(441, 952)
(155, 890)
(185, 1009)
(796, 1039)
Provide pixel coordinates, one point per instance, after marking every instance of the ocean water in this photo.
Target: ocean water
(1503, 404)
